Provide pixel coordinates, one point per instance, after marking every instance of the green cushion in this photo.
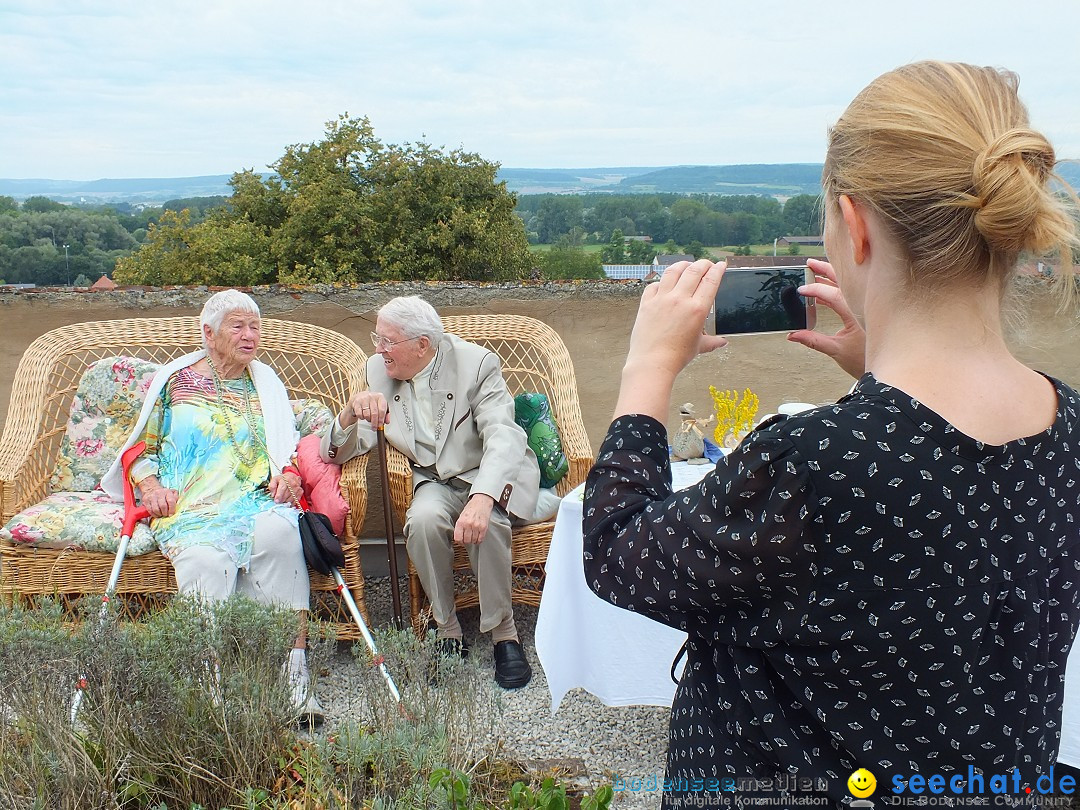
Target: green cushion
(533, 413)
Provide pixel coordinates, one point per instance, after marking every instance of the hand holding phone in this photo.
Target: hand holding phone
(847, 346)
(759, 300)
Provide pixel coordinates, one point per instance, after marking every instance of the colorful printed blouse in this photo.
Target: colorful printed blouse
(189, 449)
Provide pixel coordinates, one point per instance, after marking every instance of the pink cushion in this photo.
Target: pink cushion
(322, 482)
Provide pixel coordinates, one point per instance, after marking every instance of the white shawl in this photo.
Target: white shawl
(278, 419)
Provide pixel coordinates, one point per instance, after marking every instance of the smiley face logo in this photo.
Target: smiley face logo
(861, 783)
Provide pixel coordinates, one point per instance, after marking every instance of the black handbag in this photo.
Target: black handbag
(322, 548)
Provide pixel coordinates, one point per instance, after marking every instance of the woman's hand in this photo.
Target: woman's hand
(367, 406)
(668, 334)
(848, 346)
(158, 500)
(280, 491)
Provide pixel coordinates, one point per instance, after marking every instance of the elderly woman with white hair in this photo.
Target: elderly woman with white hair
(219, 473)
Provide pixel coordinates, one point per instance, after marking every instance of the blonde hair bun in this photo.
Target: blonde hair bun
(944, 153)
(1010, 180)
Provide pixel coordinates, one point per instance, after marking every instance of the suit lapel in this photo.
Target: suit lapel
(402, 412)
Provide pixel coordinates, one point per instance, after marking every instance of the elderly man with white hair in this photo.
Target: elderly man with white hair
(443, 403)
(219, 472)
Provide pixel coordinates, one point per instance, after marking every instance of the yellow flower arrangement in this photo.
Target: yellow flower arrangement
(735, 415)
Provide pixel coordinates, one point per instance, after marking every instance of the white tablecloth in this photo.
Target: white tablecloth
(582, 641)
(1069, 752)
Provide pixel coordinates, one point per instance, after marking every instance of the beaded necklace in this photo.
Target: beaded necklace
(247, 415)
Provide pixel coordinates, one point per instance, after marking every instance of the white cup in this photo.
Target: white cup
(792, 408)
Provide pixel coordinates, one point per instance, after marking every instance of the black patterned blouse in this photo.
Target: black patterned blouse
(862, 586)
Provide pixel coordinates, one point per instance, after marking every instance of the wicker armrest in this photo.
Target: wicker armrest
(24, 472)
(354, 490)
(401, 482)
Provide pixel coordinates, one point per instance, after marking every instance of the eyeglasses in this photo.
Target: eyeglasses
(380, 343)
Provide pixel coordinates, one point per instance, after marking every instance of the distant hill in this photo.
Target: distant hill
(767, 179)
(568, 181)
(152, 190)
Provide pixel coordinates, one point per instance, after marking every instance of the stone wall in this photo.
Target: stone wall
(593, 318)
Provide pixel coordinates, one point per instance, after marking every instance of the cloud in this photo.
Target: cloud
(139, 89)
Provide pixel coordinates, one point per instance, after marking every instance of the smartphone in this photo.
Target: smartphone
(757, 300)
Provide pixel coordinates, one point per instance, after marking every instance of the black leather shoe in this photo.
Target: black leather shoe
(512, 671)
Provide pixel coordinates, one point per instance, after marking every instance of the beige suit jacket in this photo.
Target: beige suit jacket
(476, 438)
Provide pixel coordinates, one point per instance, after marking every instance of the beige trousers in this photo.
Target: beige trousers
(429, 539)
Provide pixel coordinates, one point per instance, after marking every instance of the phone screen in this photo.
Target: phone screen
(762, 299)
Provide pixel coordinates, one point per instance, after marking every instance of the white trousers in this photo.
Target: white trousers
(276, 574)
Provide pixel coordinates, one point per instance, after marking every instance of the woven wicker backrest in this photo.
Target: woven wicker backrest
(312, 362)
(534, 359)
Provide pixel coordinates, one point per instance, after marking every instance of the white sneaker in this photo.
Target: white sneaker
(305, 705)
(309, 714)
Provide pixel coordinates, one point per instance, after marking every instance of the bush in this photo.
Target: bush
(190, 710)
(564, 261)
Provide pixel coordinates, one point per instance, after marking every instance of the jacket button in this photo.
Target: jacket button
(449, 396)
(397, 398)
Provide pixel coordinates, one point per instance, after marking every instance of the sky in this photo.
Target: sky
(95, 89)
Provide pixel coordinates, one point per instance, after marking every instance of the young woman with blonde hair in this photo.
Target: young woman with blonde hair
(891, 582)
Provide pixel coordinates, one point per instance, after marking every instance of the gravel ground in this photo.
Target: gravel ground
(590, 742)
(593, 742)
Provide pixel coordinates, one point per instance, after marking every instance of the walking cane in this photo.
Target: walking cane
(132, 515)
(391, 550)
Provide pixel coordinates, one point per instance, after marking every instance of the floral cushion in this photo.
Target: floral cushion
(103, 413)
(86, 521)
(312, 416)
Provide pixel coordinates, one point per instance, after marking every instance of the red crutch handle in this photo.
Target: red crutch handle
(132, 513)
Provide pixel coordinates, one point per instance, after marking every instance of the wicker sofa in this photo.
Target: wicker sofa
(313, 362)
(534, 359)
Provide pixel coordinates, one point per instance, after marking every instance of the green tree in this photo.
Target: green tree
(558, 215)
(802, 216)
(344, 209)
(218, 251)
(614, 252)
(566, 261)
(793, 249)
(639, 252)
(40, 205)
(8, 205)
(698, 251)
